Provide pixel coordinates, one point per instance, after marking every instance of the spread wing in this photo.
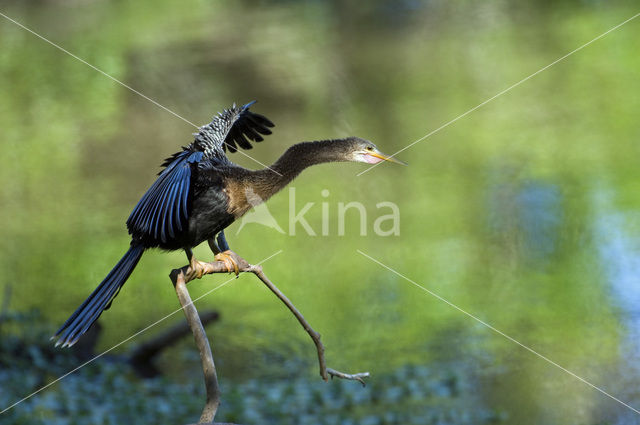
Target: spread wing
(249, 125)
(162, 211)
(230, 130)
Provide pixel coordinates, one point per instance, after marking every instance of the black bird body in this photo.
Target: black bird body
(200, 192)
(207, 207)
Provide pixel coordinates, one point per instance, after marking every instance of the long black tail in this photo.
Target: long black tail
(99, 300)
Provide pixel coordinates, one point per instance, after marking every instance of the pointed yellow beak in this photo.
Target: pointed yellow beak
(385, 157)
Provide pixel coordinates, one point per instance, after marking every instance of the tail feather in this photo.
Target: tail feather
(98, 303)
(99, 300)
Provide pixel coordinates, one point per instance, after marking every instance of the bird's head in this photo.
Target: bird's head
(361, 150)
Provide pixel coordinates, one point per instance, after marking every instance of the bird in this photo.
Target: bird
(199, 192)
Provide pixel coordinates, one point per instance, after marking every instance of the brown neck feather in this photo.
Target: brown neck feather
(267, 182)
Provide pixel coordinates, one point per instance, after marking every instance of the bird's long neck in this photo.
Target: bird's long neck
(268, 181)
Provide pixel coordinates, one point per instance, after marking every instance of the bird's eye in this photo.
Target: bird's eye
(369, 148)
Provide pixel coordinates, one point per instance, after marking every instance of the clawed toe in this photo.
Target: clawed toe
(196, 269)
(227, 258)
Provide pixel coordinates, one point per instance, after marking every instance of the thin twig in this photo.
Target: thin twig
(355, 377)
(315, 336)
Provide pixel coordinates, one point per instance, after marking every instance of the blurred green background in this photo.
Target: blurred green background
(523, 213)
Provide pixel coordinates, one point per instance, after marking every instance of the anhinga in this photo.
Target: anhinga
(200, 192)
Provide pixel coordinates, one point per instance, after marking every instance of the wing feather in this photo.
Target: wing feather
(164, 200)
(247, 127)
(162, 212)
(253, 135)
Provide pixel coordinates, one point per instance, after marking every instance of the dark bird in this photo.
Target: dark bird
(200, 192)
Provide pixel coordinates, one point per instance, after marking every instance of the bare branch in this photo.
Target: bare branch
(208, 366)
(180, 277)
(315, 336)
(354, 377)
(142, 357)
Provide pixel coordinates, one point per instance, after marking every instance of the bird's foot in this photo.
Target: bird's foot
(196, 269)
(227, 258)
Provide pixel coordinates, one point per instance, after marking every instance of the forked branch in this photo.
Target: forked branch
(180, 277)
(315, 336)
